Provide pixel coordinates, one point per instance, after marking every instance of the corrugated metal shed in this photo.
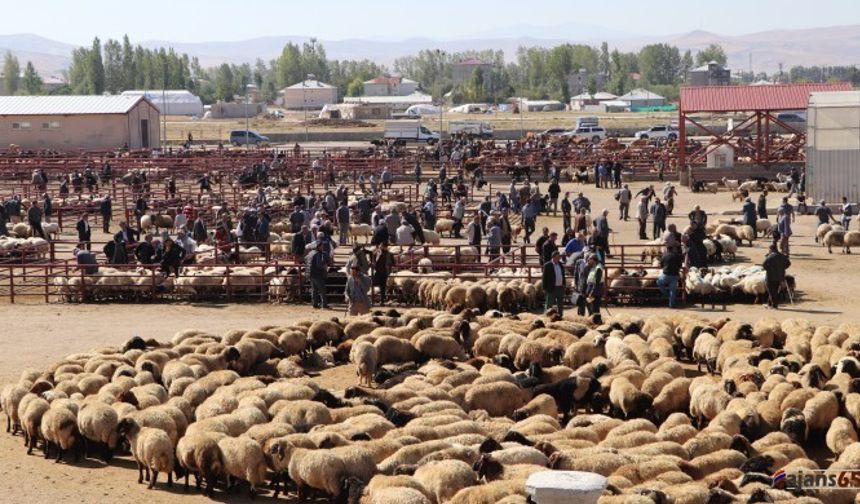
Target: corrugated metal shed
(748, 98)
(67, 105)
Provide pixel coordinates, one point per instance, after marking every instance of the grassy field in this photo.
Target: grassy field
(293, 122)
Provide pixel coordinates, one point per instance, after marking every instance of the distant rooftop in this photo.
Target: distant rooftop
(67, 105)
(310, 84)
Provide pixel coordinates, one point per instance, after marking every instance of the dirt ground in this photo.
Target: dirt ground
(34, 335)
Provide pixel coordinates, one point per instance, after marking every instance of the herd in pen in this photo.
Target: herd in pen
(462, 407)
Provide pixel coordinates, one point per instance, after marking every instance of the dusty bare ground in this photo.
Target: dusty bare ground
(34, 335)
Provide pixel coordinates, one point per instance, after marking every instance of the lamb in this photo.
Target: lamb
(497, 398)
(850, 239)
(628, 399)
(59, 429)
(840, 435)
(360, 230)
(541, 404)
(366, 357)
(151, 448)
(200, 454)
(97, 423)
(324, 332)
(833, 238)
(243, 460)
(444, 225)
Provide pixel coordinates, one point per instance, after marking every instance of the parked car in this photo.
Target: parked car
(249, 137)
(669, 132)
(475, 128)
(593, 133)
(791, 117)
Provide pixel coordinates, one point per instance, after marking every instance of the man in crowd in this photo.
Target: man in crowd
(623, 196)
(553, 282)
(84, 232)
(642, 216)
(317, 262)
(749, 214)
(658, 214)
(774, 266)
(106, 211)
(342, 218)
(783, 226)
(383, 263)
(594, 285)
(566, 209)
(670, 263)
(34, 218)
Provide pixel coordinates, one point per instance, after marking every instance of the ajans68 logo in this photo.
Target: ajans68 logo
(847, 479)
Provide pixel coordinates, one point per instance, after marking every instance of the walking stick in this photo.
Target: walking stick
(787, 289)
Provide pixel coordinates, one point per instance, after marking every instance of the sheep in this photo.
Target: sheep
(365, 356)
(200, 454)
(59, 429)
(317, 469)
(152, 450)
(97, 423)
(444, 225)
(821, 410)
(497, 398)
(9, 400)
(541, 404)
(360, 230)
(850, 239)
(243, 460)
(833, 238)
(444, 478)
(31, 409)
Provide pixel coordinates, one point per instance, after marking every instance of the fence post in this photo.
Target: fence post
(11, 285)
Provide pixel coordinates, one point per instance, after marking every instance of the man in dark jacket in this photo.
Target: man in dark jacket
(342, 217)
(748, 211)
(317, 264)
(774, 266)
(47, 207)
(658, 214)
(199, 232)
(554, 189)
(145, 251)
(297, 219)
(566, 208)
(106, 210)
(553, 283)
(84, 232)
(380, 234)
(301, 240)
(34, 218)
(549, 247)
(127, 234)
(671, 273)
(383, 263)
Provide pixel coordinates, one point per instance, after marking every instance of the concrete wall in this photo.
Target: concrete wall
(312, 98)
(236, 110)
(88, 132)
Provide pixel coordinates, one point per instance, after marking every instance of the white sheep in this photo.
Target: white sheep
(97, 423)
(59, 429)
(243, 460)
(152, 450)
(366, 357)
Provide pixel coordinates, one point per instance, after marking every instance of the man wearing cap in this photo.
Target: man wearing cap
(553, 282)
(749, 214)
(358, 259)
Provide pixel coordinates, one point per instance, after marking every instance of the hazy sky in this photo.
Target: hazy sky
(201, 20)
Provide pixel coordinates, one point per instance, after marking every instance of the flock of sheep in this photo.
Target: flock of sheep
(463, 408)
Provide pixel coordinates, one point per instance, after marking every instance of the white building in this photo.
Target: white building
(393, 85)
(309, 94)
(833, 146)
(397, 103)
(172, 102)
(642, 98)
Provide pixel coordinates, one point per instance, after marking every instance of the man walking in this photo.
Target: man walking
(554, 189)
(566, 208)
(106, 211)
(553, 281)
(774, 266)
(658, 213)
(342, 217)
(623, 197)
(783, 226)
(847, 212)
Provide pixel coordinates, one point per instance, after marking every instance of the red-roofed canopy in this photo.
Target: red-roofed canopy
(750, 98)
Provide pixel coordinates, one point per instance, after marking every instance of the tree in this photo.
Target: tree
(96, 74)
(660, 64)
(686, 63)
(592, 85)
(475, 88)
(605, 64)
(356, 87)
(714, 52)
(224, 83)
(114, 78)
(31, 83)
(11, 73)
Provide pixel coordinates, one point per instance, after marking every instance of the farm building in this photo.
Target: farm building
(174, 102)
(79, 122)
(642, 99)
(235, 110)
(583, 101)
(396, 103)
(392, 85)
(355, 111)
(710, 74)
(310, 94)
(833, 145)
